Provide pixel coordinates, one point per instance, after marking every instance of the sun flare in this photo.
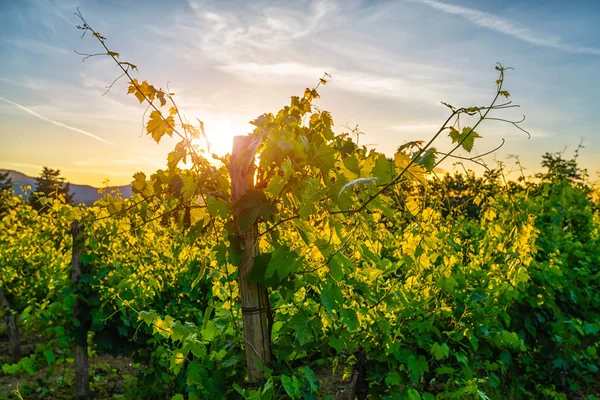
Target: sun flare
(220, 131)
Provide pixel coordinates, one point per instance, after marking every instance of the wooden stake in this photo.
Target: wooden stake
(254, 296)
(11, 326)
(82, 365)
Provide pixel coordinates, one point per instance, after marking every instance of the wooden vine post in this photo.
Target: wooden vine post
(82, 365)
(254, 295)
(11, 327)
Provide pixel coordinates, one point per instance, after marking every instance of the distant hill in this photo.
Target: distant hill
(82, 193)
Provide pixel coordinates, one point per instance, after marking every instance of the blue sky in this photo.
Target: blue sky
(229, 61)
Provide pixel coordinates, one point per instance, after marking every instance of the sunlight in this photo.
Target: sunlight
(220, 131)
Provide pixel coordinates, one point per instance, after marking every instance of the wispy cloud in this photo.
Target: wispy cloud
(37, 47)
(235, 34)
(348, 80)
(502, 25)
(35, 114)
(29, 83)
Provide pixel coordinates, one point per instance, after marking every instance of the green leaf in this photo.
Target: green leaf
(194, 373)
(427, 159)
(218, 207)
(189, 187)
(196, 347)
(506, 358)
(306, 208)
(336, 266)
(417, 366)
(461, 358)
(440, 351)
(467, 137)
(178, 397)
(177, 361)
(383, 169)
(332, 297)
(50, 357)
(393, 378)
(413, 394)
(180, 331)
(147, 316)
(209, 332)
(291, 386)
(350, 318)
(351, 163)
(283, 262)
(311, 378)
(252, 205)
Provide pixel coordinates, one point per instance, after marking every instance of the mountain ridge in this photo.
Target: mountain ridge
(86, 194)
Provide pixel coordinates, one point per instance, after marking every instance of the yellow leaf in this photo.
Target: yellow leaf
(412, 205)
(413, 172)
(139, 181)
(142, 90)
(161, 97)
(158, 126)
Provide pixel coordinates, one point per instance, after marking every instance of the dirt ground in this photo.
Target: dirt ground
(109, 377)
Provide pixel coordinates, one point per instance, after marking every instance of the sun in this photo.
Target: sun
(220, 131)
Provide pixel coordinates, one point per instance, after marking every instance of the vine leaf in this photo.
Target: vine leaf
(218, 207)
(427, 159)
(440, 351)
(332, 297)
(291, 386)
(403, 162)
(142, 90)
(194, 373)
(383, 169)
(139, 182)
(283, 262)
(253, 204)
(189, 187)
(466, 138)
(158, 126)
(178, 154)
(417, 366)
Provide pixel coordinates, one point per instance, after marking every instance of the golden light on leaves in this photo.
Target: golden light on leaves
(158, 127)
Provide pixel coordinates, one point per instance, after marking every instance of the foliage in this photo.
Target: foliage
(414, 288)
(50, 185)
(6, 182)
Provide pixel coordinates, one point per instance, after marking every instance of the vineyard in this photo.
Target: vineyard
(306, 266)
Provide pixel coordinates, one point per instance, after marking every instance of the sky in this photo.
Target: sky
(227, 61)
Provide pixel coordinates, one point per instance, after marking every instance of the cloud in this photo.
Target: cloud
(37, 47)
(502, 25)
(29, 83)
(349, 80)
(256, 30)
(35, 114)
